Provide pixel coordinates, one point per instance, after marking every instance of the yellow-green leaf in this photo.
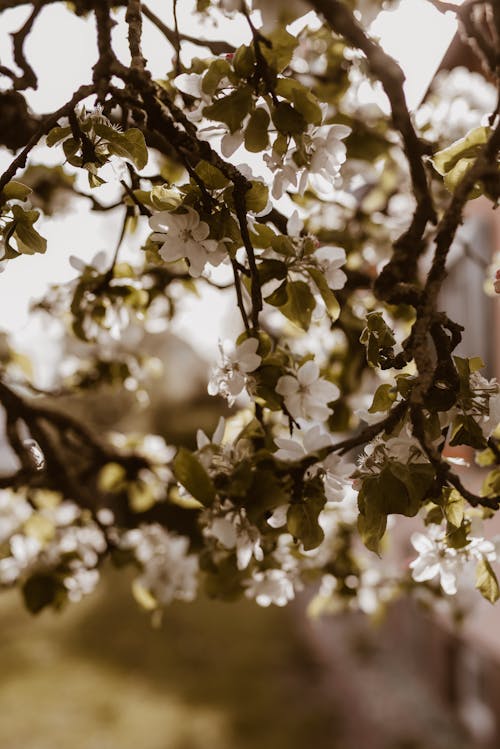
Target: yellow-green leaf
(486, 581)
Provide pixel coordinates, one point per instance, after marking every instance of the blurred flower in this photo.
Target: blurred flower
(168, 571)
(270, 586)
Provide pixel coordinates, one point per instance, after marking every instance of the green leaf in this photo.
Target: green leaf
(454, 162)
(329, 298)
(257, 197)
(217, 70)
(485, 458)
(231, 109)
(384, 397)
(378, 339)
(244, 61)
(302, 522)
(192, 475)
(486, 581)
(161, 197)
(211, 176)
(267, 377)
(283, 245)
(267, 493)
(457, 538)
(256, 132)
(466, 431)
(453, 506)
(71, 148)
(111, 478)
(287, 119)
(141, 496)
(283, 45)
(129, 145)
(304, 101)
(467, 147)
(57, 134)
(262, 236)
(453, 178)
(299, 305)
(271, 269)
(416, 479)
(14, 190)
(28, 239)
(372, 522)
(40, 591)
(491, 484)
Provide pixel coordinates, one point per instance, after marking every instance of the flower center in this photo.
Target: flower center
(185, 235)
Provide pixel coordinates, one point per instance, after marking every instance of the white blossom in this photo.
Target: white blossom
(437, 559)
(168, 571)
(203, 441)
(55, 542)
(184, 235)
(81, 582)
(273, 586)
(277, 519)
(304, 441)
(230, 527)
(328, 153)
(459, 101)
(306, 394)
(325, 153)
(231, 377)
(24, 550)
(14, 511)
(329, 261)
(336, 477)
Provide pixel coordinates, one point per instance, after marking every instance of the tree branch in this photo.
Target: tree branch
(47, 123)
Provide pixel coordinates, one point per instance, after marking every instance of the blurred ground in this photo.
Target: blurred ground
(221, 676)
(217, 676)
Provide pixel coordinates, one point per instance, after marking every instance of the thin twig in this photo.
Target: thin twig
(28, 79)
(216, 47)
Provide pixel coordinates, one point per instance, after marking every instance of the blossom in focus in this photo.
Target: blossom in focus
(329, 261)
(325, 153)
(184, 235)
(306, 394)
(305, 441)
(230, 527)
(231, 377)
(437, 559)
(328, 153)
(336, 473)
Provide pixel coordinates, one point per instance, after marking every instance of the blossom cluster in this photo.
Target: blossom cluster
(277, 176)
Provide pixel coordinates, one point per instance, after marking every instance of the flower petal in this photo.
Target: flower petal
(308, 373)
